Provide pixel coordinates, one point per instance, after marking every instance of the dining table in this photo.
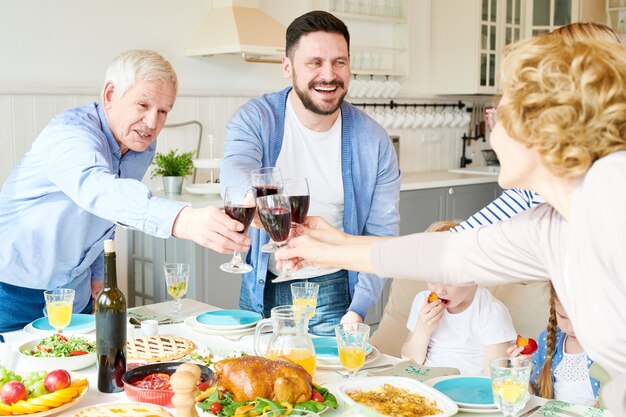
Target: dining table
(217, 344)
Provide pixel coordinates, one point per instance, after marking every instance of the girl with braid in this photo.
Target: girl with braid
(560, 365)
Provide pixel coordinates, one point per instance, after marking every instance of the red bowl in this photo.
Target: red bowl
(158, 396)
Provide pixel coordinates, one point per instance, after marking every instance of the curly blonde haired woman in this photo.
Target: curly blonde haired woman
(562, 133)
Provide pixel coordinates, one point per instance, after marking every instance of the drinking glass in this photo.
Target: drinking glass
(509, 382)
(275, 213)
(267, 181)
(305, 294)
(352, 344)
(298, 191)
(176, 279)
(59, 307)
(239, 204)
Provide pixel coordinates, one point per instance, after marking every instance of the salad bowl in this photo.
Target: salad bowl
(59, 352)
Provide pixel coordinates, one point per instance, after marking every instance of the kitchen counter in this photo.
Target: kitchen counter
(410, 181)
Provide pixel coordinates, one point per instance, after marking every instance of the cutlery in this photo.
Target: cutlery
(529, 412)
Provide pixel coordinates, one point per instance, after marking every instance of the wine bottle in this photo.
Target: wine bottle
(110, 327)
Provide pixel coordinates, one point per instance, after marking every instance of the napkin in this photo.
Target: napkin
(412, 369)
(555, 408)
(145, 313)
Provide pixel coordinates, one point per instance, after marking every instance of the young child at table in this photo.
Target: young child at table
(464, 328)
(560, 364)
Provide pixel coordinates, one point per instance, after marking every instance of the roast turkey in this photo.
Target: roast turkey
(249, 377)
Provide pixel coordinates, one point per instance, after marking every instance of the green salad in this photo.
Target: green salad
(57, 346)
(224, 406)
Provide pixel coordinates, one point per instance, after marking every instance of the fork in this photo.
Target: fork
(383, 366)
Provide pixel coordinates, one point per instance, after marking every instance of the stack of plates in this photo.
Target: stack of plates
(224, 322)
(80, 323)
(472, 394)
(327, 354)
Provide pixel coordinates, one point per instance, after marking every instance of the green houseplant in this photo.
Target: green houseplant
(173, 167)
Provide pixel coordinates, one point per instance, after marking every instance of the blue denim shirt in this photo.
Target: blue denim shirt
(370, 174)
(539, 358)
(63, 199)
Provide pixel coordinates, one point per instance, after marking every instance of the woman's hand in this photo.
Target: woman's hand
(321, 230)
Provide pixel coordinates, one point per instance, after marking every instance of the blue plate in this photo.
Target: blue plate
(470, 391)
(326, 347)
(228, 319)
(80, 322)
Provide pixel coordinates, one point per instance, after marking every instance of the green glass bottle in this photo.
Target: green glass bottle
(110, 327)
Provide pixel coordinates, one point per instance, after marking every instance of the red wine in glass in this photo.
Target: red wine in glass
(242, 214)
(277, 222)
(263, 190)
(299, 207)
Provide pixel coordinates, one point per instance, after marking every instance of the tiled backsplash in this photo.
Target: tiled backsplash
(23, 116)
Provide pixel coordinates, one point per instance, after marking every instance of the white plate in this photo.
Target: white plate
(371, 382)
(83, 323)
(472, 388)
(203, 188)
(336, 366)
(228, 319)
(60, 408)
(69, 363)
(193, 324)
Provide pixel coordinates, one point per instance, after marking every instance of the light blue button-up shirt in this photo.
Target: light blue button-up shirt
(63, 199)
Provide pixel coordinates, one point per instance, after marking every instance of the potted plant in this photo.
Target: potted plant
(173, 167)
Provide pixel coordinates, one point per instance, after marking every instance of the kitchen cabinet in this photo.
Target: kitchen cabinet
(616, 16)
(378, 34)
(209, 284)
(547, 15)
(466, 39)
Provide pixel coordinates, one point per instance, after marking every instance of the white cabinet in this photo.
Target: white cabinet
(547, 15)
(466, 40)
(378, 34)
(616, 16)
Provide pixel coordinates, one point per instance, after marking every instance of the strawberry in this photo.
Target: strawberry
(530, 345)
(432, 297)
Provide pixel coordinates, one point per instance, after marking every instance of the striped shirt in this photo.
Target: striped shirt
(509, 204)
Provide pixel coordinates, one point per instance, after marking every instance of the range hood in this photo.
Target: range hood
(238, 27)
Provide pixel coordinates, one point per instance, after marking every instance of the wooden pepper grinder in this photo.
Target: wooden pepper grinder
(184, 383)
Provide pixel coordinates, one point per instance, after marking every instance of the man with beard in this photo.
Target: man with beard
(308, 130)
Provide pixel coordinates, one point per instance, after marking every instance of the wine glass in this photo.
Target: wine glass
(305, 294)
(239, 205)
(176, 279)
(298, 191)
(267, 181)
(275, 213)
(509, 382)
(352, 345)
(59, 307)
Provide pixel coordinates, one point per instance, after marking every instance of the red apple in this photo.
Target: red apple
(432, 297)
(57, 380)
(530, 346)
(12, 392)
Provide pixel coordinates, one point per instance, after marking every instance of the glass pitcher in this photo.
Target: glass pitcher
(290, 338)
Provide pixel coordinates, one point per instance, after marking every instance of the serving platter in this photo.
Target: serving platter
(444, 403)
(69, 363)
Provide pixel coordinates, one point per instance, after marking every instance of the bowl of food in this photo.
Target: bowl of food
(60, 352)
(151, 383)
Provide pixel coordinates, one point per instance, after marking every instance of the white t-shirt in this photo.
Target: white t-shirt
(316, 156)
(460, 339)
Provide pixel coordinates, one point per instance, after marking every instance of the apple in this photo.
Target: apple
(432, 297)
(530, 346)
(12, 392)
(56, 380)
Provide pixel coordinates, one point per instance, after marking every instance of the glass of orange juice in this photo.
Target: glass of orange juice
(352, 344)
(59, 307)
(305, 294)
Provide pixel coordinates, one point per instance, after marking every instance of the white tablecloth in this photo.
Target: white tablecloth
(326, 378)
